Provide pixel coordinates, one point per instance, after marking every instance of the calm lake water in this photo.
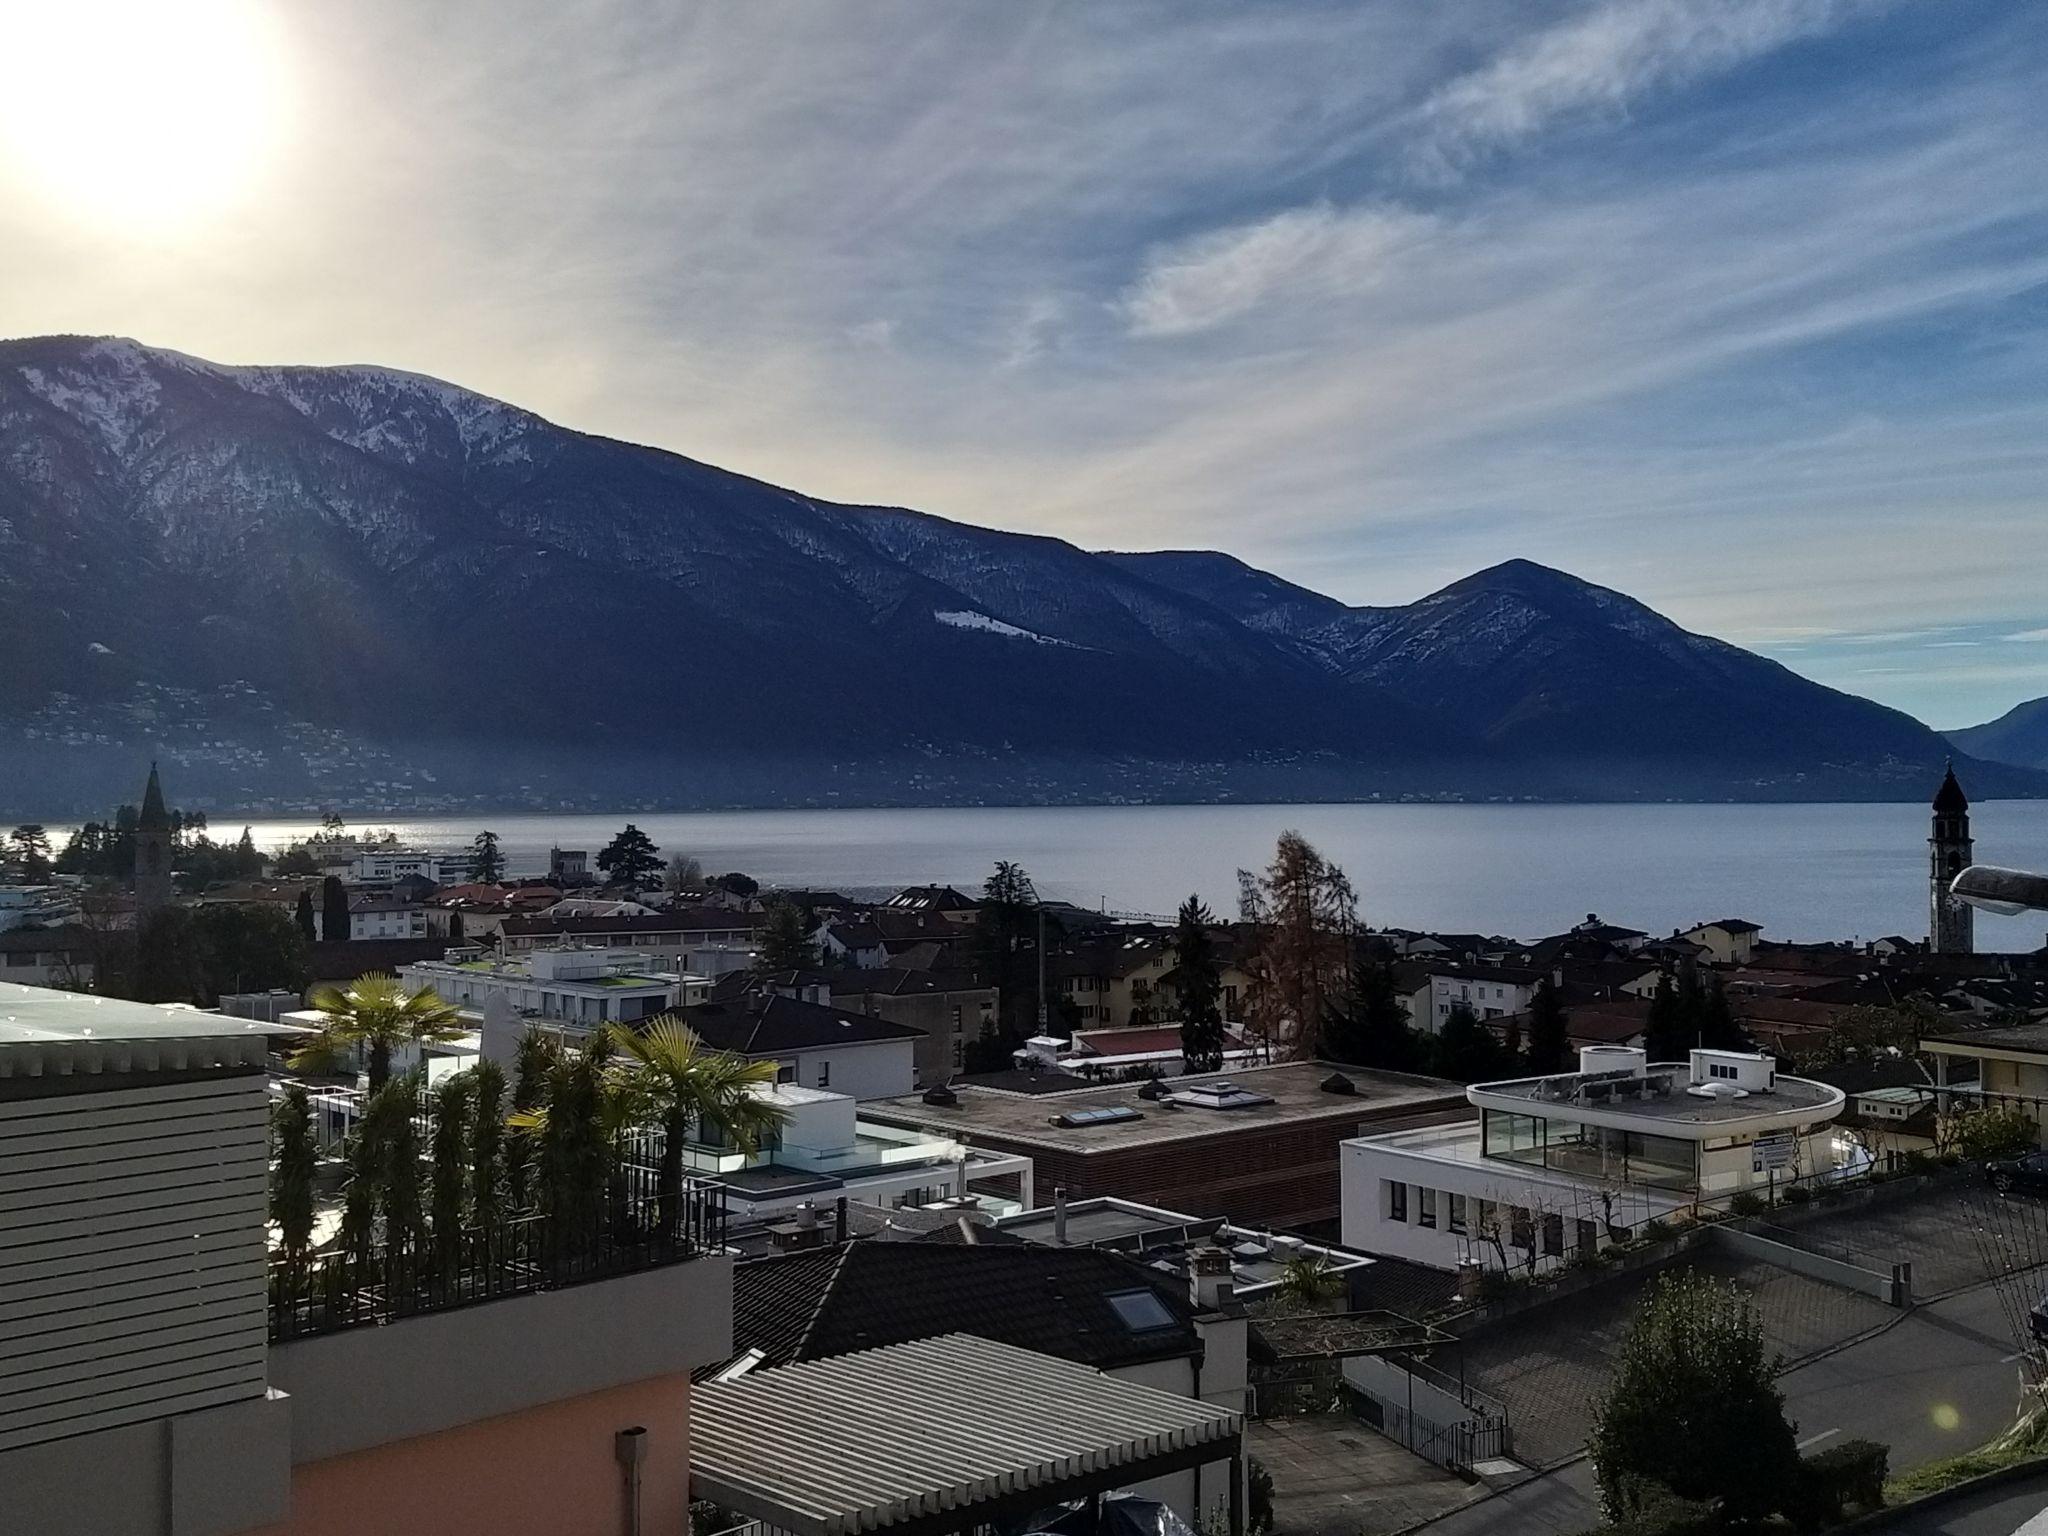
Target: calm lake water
(1803, 871)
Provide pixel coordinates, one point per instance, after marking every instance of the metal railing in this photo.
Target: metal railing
(387, 1279)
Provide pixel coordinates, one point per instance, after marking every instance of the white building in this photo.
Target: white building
(36, 906)
(814, 1044)
(578, 988)
(1564, 1164)
(374, 916)
(1489, 991)
(824, 1152)
(381, 866)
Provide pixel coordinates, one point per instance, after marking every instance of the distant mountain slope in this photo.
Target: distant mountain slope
(344, 585)
(2019, 736)
(1589, 684)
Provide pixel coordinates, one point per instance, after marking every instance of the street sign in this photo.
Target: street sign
(1779, 1149)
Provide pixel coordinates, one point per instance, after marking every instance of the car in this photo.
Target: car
(2027, 1173)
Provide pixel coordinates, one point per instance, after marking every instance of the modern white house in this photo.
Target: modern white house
(1562, 1165)
(375, 915)
(577, 988)
(826, 1152)
(1489, 991)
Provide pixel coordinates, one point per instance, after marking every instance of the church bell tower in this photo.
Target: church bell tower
(152, 850)
(1950, 929)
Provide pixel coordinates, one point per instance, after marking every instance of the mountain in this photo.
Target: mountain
(2019, 736)
(355, 585)
(1587, 686)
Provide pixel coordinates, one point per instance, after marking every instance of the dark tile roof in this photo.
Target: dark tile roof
(865, 1293)
(346, 959)
(22, 941)
(894, 981)
(766, 1024)
(1015, 1080)
(686, 920)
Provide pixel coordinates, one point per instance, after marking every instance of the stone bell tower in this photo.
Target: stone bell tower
(152, 850)
(1950, 926)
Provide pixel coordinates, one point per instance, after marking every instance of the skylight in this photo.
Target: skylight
(1107, 1115)
(1140, 1311)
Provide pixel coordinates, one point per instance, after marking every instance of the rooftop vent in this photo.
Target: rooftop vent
(1220, 1094)
(1338, 1083)
(1151, 1090)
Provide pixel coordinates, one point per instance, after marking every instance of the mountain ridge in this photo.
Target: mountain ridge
(330, 582)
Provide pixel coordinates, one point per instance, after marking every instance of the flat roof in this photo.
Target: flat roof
(887, 1437)
(1552, 1096)
(2028, 1039)
(1293, 1091)
(46, 1031)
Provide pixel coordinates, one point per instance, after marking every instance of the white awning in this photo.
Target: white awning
(888, 1436)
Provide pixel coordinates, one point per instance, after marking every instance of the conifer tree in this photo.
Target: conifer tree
(1198, 987)
(1549, 1041)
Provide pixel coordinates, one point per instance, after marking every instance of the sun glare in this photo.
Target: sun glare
(150, 112)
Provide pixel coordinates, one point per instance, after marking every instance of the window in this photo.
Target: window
(956, 1021)
(1457, 1213)
(1553, 1235)
(1521, 1229)
(959, 1053)
(785, 1072)
(1140, 1311)
(1397, 1200)
(824, 1074)
(1425, 1207)
(1587, 1237)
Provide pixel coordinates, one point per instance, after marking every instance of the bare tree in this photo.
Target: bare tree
(1302, 912)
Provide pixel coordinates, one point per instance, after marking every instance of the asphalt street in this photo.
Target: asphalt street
(1942, 1379)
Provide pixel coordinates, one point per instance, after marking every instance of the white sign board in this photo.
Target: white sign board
(1780, 1149)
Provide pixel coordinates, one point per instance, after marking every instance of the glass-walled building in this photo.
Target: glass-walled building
(1561, 1165)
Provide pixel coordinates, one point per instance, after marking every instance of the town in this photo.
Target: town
(1265, 1221)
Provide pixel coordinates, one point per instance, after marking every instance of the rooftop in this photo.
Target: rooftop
(48, 1032)
(768, 1023)
(1290, 1093)
(976, 1431)
(1566, 1095)
(2026, 1039)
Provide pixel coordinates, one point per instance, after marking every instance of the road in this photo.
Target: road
(1941, 1380)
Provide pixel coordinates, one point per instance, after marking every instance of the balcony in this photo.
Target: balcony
(342, 1289)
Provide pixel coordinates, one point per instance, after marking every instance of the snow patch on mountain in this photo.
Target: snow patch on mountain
(962, 618)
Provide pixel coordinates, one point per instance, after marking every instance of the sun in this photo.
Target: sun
(143, 112)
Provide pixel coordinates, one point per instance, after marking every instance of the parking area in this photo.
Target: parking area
(1956, 1233)
(1333, 1475)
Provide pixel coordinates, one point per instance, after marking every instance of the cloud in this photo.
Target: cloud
(1216, 277)
(2028, 636)
(1602, 60)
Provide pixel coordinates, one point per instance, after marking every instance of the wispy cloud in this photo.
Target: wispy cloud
(2029, 636)
(1313, 252)
(1603, 60)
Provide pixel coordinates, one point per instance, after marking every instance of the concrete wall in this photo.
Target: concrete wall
(1800, 1261)
(207, 1473)
(877, 1069)
(546, 1471)
(367, 1387)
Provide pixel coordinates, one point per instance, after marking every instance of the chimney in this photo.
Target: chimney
(1557, 977)
(1210, 1286)
(1469, 1274)
(839, 1220)
(1059, 1215)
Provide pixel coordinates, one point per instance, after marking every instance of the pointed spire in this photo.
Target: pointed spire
(1950, 800)
(153, 812)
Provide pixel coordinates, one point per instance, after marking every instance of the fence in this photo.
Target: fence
(386, 1279)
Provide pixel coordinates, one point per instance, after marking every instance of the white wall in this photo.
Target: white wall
(874, 1069)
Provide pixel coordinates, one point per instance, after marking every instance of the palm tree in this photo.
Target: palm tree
(376, 1012)
(687, 1083)
(1307, 1281)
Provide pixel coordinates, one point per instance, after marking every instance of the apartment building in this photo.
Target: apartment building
(160, 1376)
(1563, 1165)
(578, 988)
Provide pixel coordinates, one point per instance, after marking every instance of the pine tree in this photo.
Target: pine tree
(486, 862)
(1371, 1028)
(303, 916)
(248, 859)
(1466, 1050)
(785, 946)
(1198, 985)
(631, 858)
(1667, 1034)
(1549, 1042)
(1718, 1029)
(455, 927)
(333, 910)
(1006, 929)
(1694, 1406)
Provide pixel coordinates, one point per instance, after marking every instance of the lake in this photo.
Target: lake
(1803, 871)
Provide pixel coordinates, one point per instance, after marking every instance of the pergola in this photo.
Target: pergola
(942, 1435)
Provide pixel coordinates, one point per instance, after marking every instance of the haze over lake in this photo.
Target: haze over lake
(1803, 871)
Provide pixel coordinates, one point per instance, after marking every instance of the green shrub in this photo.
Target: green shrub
(1497, 1285)
(1746, 1203)
(1918, 1161)
(1651, 1509)
(1654, 1230)
(1259, 1497)
(2002, 1130)
(1845, 1475)
(1797, 1194)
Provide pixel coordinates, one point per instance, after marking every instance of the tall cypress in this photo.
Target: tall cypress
(333, 910)
(1198, 984)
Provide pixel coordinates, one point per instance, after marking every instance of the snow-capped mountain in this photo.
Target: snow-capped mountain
(267, 572)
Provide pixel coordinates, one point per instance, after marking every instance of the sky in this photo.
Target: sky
(1740, 307)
